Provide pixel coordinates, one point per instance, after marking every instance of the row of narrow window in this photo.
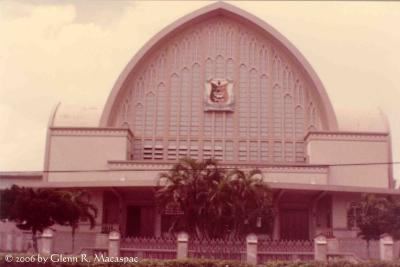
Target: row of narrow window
(253, 108)
(271, 105)
(256, 151)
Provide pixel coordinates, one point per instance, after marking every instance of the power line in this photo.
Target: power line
(255, 166)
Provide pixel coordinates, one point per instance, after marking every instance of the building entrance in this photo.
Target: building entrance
(294, 224)
(139, 221)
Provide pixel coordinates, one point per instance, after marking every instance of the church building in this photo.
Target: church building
(218, 83)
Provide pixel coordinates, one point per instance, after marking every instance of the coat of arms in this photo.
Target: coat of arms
(218, 95)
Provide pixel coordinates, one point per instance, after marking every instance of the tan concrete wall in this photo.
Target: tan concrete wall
(340, 204)
(296, 177)
(74, 151)
(139, 178)
(362, 152)
(100, 155)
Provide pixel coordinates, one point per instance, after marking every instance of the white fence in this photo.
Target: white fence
(249, 250)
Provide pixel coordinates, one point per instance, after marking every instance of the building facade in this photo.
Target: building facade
(218, 83)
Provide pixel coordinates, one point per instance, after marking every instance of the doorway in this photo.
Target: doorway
(294, 224)
(140, 221)
(133, 221)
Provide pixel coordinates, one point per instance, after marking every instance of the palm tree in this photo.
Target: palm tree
(188, 185)
(215, 204)
(251, 201)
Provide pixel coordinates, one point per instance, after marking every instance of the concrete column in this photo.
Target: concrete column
(122, 225)
(386, 246)
(47, 242)
(182, 246)
(114, 239)
(312, 221)
(9, 242)
(276, 230)
(2, 240)
(320, 248)
(251, 249)
(121, 210)
(313, 213)
(157, 224)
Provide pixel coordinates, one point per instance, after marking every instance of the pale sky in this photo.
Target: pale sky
(73, 51)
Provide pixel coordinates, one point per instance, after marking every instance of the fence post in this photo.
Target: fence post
(8, 241)
(114, 239)
(320, 248)
(182, 246)
(47, 242)
(251, 249)
(386, 246)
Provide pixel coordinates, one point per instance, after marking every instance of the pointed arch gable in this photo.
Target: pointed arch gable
(232, 12)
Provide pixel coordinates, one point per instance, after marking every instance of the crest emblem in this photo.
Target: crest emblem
(218, 95)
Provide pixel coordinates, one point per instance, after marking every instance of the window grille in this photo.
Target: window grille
(273, 107)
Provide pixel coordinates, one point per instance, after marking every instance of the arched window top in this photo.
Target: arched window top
(150, 94)
(252, 43)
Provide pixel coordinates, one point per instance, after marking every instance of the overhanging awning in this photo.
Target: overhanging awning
(286, 186)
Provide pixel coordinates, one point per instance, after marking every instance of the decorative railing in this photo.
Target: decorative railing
(217, 249)
(285, 250)
(252, 250)
(149, 248)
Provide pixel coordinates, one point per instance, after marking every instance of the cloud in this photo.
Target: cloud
(53, 52)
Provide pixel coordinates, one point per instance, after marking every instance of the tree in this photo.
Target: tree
(76, 207)
(375, 216)
(250, 202)
(30, 209)
(215, 203)
(393, 217)
(38, 209)
(188, 186)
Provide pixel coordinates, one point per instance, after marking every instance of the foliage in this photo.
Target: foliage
(376, 216)
(250, 201)
(215, 203)
(30, 209)
(393, 217)
(38, 209)
(371, 216)
(76, 207)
